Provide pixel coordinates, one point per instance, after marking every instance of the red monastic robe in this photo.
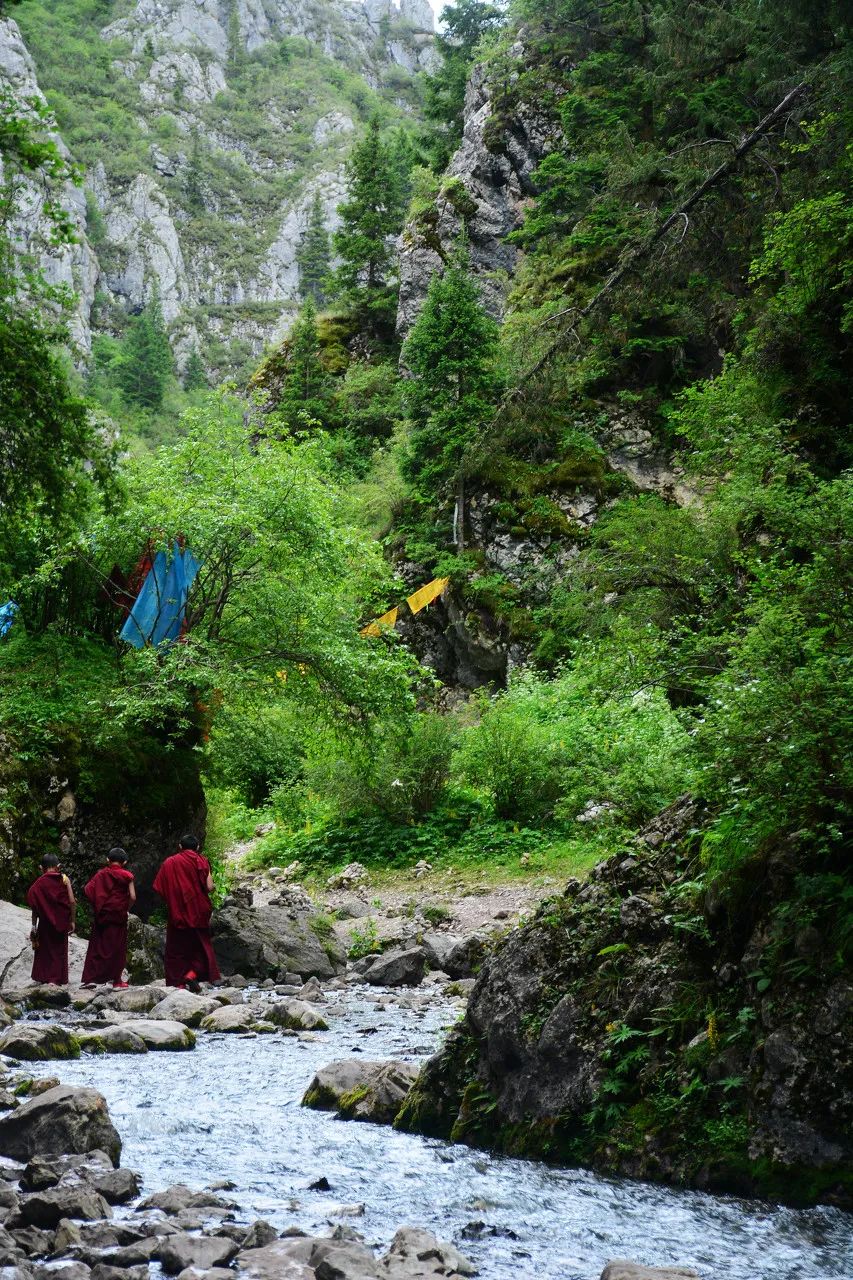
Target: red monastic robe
(182, 882)
(109, 893)
(48, 898)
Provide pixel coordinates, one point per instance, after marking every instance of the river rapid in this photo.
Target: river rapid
(230, 1111)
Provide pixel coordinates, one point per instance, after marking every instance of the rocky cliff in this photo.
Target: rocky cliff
(205, 127)
(638, 1025)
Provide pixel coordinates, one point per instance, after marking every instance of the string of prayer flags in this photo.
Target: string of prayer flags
(159, 612)
(417, 601)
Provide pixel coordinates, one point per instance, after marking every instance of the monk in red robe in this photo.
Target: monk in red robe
(54, 918)
(111, 892)
(185, 882)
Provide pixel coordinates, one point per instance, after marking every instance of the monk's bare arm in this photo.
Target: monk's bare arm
(132, 894)
(209, 883)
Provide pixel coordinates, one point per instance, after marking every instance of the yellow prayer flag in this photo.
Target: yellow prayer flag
(388, 619)
(425, 595)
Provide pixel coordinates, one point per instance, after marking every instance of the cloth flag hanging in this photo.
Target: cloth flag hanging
(425, 595)
(8, 612)
(161, 606)
(388, 619)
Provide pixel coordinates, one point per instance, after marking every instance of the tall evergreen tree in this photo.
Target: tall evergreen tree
(451, 352)
(369, 216)
(145, 364)
(305, 395)
(313, 256)
(195, 376)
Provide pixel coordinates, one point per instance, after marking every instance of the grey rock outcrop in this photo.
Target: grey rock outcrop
(482, 192)
(261, 942)
(397, 968)
(60, 1121)
(16, 954)
(621, 1270)
(359, 1090)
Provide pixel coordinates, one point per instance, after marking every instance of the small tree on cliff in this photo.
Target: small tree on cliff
(451, 351)
(145, 363)
(314, 254)
(305, 396)
(370, 214)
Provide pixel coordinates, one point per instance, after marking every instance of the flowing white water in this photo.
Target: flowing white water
(230, 1110)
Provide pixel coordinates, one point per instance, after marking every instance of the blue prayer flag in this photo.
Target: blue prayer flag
(161, 606)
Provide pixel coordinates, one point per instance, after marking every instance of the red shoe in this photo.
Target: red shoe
(120, 986)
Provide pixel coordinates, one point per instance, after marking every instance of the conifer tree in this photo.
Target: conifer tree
(370, 214)
(195, 377)
(305, 396)
(145, 363)
(314, 254)
(452, 352)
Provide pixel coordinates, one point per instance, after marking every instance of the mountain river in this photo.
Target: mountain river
(231, 1111)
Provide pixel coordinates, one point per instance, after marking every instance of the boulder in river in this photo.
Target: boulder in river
(398, 968)
(38, 1042)
(177, 1199)
(232, 1017)
(261, 942)
(184, 1006)
(109, 1038)
(46, 1208)
(63, 1120)
(416, 1253)
(297, 1016)
(359, 1090)
(619, 1269)
(200, 1252)
(130, 1000)
(162, 1034)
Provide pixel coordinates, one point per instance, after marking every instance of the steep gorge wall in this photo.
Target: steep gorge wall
(231, 115)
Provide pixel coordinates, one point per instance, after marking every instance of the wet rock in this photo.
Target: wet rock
(132, 1000)
(359, 1090)
(108, 1038)
(298, 1016)
(260, 1233)
(232, 1017)
(46, 1208)
(278, 1260)
(621, 1270)
(33, 1241)
(34, 1042)
(117, 1186)
(64, 1120)
(185, 1007)
(137, 1253)
(312, 991)
(104, 1271)
(201, 1252)
(164, 1035)
(60, 1271)
(43, 1171)
(178, 1198)
(399, 968)
(636, 913)
(416, 1253)
(145, 947)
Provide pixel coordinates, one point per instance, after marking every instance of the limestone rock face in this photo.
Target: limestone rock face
(483, 191)
(16, 954)
(60, 1121)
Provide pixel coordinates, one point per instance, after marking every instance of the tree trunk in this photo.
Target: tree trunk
(460, 512)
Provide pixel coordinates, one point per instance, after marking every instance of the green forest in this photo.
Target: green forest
(684, 268)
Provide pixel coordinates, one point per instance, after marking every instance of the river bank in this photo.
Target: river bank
(229, 1112)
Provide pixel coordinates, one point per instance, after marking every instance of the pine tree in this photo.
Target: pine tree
(369, 216)
(145, 363)
(195, 377)
(451, 351)
(314, 254)
(305, 395)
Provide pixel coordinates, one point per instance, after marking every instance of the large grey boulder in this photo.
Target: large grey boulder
(359, 1090)
(399, 968)
(185, 1007)
(619, 1269)
(177, 1199)
(261, 942)
(38, 1042)
(109, 1038)
(60, 1121)
(201, 1252)
(163, 1035)
(232, 1017)
(46, 1208)
(307, 1259)
(131, 1000)
(415, 1253)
